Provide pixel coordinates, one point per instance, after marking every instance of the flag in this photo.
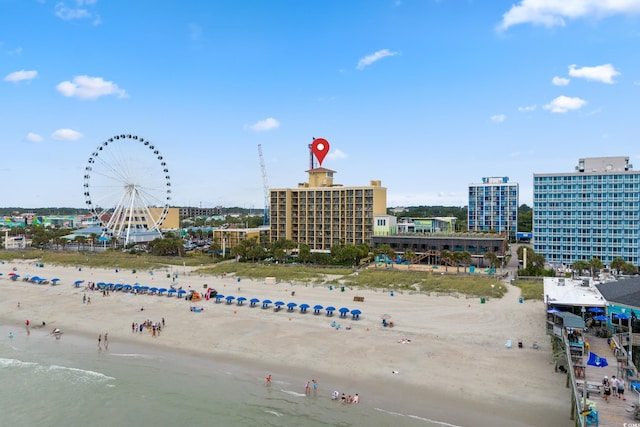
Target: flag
(595, 360)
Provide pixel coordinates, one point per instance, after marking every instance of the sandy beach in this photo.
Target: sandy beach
(453, 362)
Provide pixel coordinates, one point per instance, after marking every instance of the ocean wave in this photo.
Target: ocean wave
(415, 417)
(277, 414)
(294, 393)
(141, 356)
(15, 363)
(82, 373)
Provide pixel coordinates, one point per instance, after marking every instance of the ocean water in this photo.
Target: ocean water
(69, 382)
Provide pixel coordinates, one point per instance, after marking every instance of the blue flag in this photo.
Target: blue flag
(594, 360)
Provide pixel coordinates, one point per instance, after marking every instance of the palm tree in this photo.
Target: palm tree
(465, 258)
(596, 265)
(409, 255)
(617, 264)
(579, 266)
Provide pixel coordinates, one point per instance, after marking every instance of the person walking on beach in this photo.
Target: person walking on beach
(268, 380)
(100, 341)
(621, 389)
(315, 386)
(607, 389)
(84, 298)
(614, 386)
(307, 389)
(106, 341)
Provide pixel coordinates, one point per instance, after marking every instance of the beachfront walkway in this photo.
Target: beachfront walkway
(617, 412)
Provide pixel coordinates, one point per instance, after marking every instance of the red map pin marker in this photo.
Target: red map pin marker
(320, 148)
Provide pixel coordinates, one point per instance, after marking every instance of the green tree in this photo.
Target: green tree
(579, 266)
(304, 253)
(409, 255)
(595, 265)
(525, 218)
(617, 264)
(629, 268)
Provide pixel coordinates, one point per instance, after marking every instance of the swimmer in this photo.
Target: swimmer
(10, 335)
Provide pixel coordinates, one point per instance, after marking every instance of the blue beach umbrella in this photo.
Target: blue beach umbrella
(343, 311)
(330, 310)
(317, 308)
(278, 303)
(291, 306)
(171, 292)
(78, 282)
(241, 300)
(219, 297)
(355, 314)
(265, 303)
(600, 317)
(254, 301)
(621, 316)
(303, 308)
(54, 281)
(230, 298)
(181, 292)
(126, 287)
(553, 310)
(161, 290)
(596, 310)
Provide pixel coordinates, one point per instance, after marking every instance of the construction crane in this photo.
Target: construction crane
(265, 220)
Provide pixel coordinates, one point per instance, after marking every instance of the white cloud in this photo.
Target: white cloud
(18, 76)
(33, 137)
(563, 104)
(560, 81)
(370, 59)
(336, 154)
(66, 135)
(77, 11)
(266, 124)
(498, 118)
(85, 87)
(16, 51)
(552, 13)
(527, 108)
(601, 73)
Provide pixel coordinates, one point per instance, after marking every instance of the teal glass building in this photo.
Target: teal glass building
(593, 212)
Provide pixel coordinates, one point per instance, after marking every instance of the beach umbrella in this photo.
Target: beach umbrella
(596, 310)
(553, 310)
(181, 292)
(265, 303)
(303, 308)
(127, 287)
(15, 276)
(153, 289)
(12, 274)
(343, 311)
(385, 316)
(241, 300)
(291, 306)
(101, 284)
(330, 310)
(355, 314)
(55, 280)
(254, 301)
(171, 292)
(146, 288)
(230, 298)
(161, 290)
(78, 282)
(278, 303)
(317, 308)
(621, 316)
(219, 297)
(600, 317)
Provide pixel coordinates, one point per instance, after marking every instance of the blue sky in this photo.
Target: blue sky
(425, 95)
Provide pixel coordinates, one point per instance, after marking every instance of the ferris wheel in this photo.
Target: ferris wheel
(127, 188)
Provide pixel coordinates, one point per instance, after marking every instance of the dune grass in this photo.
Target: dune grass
(105, 259)
(425, 282)
(400, 281)
(531, 290)
(291, 273)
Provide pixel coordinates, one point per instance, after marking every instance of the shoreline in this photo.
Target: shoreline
(456, 357)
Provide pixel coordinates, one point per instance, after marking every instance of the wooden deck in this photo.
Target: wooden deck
(617, 412)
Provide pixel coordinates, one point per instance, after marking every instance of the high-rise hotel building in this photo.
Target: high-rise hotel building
(321, 214)
(593, 212)
(493, 206)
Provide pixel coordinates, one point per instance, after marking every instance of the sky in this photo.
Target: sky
(427, 96)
